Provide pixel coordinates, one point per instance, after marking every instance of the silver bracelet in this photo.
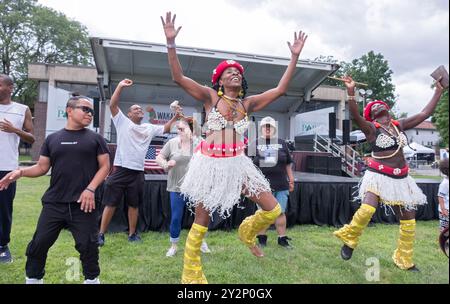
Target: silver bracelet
(171, 45)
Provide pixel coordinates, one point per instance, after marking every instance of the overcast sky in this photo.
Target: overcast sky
(413, 35)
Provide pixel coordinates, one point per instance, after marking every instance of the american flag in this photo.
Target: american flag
(150, 165)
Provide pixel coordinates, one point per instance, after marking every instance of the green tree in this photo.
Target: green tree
(371, 69)
(440, 118)
(374, 70)
(31, 33)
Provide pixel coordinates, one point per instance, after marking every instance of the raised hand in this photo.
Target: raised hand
(169, 27)
(126, 83)
(179, 112)
(438, 86)
(350, 84)
(299, 42)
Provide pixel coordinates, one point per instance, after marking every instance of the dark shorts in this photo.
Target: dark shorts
(122, 182)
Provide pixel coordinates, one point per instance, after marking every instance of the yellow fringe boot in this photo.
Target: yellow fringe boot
(403, 255)
(192, 270)
(251, 225)
(350, 233)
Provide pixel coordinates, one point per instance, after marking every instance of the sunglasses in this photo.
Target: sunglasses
(85, 109)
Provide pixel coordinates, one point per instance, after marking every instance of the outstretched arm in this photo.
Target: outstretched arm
(413, 121)
(37, 170)
(199, 92)
(366, 127)
(115, 98)
(260, 101)
(168, 125)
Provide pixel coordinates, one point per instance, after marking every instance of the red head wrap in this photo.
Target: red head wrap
(222, 67)
(368, 109)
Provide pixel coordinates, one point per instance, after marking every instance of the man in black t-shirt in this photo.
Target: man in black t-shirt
(79, 159)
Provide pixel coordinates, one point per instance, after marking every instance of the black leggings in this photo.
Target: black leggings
(84, 228)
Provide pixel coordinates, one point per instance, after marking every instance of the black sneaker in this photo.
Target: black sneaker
(283, 242)
(414, 269)
(101, 240)
(134, 238)
(346, 252)
(5, 255)
(262, 240)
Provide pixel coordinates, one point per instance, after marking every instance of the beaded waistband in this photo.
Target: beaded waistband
(383, 169)
(221, 150)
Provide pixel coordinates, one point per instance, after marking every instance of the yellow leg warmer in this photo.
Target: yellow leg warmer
(251, 225)
(350, 233)
(404, 253)
(192, 270)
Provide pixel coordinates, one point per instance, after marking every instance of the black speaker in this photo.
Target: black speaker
(96, 112)
(334, 166)
(346, 131)
(317, 164)
(332, 125)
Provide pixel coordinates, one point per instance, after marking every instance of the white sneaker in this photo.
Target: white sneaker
(33, 281)
(171, 252)
(93, 281)
(204, 248)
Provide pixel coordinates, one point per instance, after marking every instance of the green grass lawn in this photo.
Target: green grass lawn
(435, 177)
(26, 158)
(315, 258)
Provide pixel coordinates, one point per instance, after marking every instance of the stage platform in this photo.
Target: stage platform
(317, 199)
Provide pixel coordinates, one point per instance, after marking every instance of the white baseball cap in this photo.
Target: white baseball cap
(268, 121)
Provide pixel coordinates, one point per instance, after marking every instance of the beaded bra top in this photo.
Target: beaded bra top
(217, 122)
(385, 142)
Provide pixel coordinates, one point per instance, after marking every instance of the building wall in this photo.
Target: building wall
(48, 76)
(428, 138)
(337, 94)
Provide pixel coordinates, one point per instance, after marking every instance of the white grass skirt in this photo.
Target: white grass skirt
(402, 192)
(217, 183)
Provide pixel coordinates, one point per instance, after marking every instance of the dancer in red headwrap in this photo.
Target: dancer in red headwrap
(386, 181)
(220, 171)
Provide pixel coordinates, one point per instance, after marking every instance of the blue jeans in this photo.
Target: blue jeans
(282, 199)
(177, 203)
(6, 211)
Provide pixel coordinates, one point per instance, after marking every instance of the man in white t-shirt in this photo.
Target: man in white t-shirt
(133, 139)
(15, 124)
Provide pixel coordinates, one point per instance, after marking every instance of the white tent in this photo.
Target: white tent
(359, 135)
(416, 148)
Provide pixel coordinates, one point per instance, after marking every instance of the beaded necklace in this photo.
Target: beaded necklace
(233, 106)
